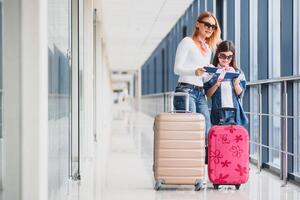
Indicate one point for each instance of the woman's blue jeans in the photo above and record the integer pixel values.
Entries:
(197, 102)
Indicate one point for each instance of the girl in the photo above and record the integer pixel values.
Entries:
(226, 93)
(193, 53)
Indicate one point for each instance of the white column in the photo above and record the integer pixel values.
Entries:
(26, 100)
(214, 7)
(34, 100)
(99, 60)
(296, 37)
(296, 62)
(75, 85)
(237, 25)
(12, 99)
(253, 70)
(274, 69)
(224, 19)
(88, 80)
(253, 39)
(274, 38)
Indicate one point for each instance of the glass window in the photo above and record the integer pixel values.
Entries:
(275, 123)
(296, 70)
(254, 122)
(219, 14)
(184, 31)
(155, 76)
(297, 132)
(143, 80)
(1, 88)
(164, 72)
(59, 94)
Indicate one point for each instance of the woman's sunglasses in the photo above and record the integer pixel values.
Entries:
(209, 25)
(223, 56)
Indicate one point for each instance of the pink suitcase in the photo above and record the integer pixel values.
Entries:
(228, 155)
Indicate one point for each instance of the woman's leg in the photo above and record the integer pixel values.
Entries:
(201, 107)
(179, 102)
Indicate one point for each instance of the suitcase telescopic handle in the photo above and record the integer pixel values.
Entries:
(222, 112)
(179, 94)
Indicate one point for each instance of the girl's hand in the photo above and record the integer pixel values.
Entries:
(236, 81)
(219, 81)
(199, 71)
(230, 69)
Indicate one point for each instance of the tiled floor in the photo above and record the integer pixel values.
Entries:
(123, 170)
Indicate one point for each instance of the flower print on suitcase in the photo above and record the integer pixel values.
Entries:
(228, 150)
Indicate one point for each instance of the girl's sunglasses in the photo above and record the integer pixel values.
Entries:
(209, 25)
(223, 56)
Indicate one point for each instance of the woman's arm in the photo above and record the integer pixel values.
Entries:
(181, 54)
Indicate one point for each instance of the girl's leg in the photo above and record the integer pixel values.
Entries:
(229, 117)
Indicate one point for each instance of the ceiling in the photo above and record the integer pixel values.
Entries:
(134, 28)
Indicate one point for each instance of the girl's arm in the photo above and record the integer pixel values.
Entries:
(214, 88)
(237, 88)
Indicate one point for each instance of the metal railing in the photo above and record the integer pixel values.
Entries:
(283, 147)
(162, 98)
(1, 109)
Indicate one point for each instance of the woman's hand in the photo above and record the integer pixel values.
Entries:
(199, 71)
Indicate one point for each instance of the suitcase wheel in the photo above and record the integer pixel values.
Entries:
(158, 184)
(198, 186)
(216, 187)
(237, 187)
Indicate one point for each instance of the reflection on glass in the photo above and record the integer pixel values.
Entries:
(275, 128)
(58, 96)
(254, 122)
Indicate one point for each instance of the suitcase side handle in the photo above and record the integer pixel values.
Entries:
(179, 94)
(222, 110)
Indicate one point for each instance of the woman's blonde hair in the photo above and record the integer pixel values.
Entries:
(215, 38)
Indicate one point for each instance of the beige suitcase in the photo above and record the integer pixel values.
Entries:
(179, 148)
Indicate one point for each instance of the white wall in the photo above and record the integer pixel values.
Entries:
(88, 76)
(103, 84)
(25, 99)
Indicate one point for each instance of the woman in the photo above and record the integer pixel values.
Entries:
(193, 53)
(226, 93)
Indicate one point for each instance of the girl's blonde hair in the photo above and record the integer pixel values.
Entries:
(215, 38)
